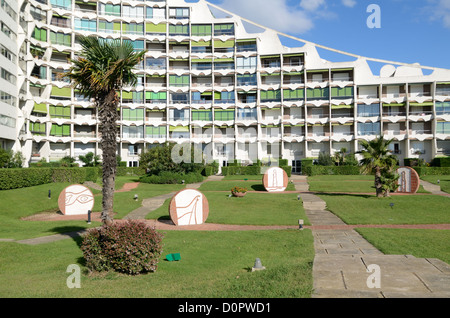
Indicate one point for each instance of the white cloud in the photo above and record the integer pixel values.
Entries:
(349, 3)
(273, 14)
(441, 11)
(311, 5)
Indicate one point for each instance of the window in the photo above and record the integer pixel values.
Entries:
(344, 92)
(368, 110)
(133, 132)
(178, 114)
(38, 14)
(59, 111)
(204, 115)
(86, 25)
(39, 34)
(8, 54)
(8, 99)
(60, 38)
(133, 28)
(224, 29)
(179, 13)
(63, 22)
(318, 93)
(365, 129)
(442, 108)
(109, 9)
(247, 114)
(443, 127)
(155, 13)
(178, 30)
(155, 64)
(246, 46)
(108, 27)
(297, 94)
(132, 97)
(7, 121)
(224, 114)
(224, 97)
(132, 12)
(37, 128)
(271, 96)
(7, 8)
(246, 62)
(7, 76)
(155, 98)
(247, 80)
(201, 29)
(60, 130)
(138, 45)
(65, 4)
(155, 132)
(179, 81)
(133, 114)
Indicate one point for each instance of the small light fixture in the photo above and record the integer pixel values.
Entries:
(300, 224)
(439, 181)
(89, 217)
(136, 197)
(182, 181)
(392, 205)
(49, 194)
(298, 198)
(258, 266)
(229, 196)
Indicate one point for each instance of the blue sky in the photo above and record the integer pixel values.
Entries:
(412, 31)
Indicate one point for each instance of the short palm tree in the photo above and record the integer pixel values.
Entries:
(101, 70)
(378, 159)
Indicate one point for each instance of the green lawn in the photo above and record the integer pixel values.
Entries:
(420, 243)
(444, 181)
(407, 209)
(253, 209)
(226, 185)
(212, 265)
(19, 203)
(349, 184)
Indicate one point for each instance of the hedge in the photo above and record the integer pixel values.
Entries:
(331, 170)
(433, 171)
(167, 177)
(249, 170)
(441, 162)
(21, 178)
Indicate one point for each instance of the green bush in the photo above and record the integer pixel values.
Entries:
(248, 170)
(330, 170)
(441, 162)
(433, 171)
(24, 177)
(167, 177)
(92, 174)
(130, 247)
(71, 175)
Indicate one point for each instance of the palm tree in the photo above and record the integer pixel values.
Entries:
(377, 159)
(101, 70)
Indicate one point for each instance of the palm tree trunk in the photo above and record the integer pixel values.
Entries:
(108, 126)
(378, 184)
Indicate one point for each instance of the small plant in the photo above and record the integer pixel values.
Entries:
(238, 190)
(130, 247)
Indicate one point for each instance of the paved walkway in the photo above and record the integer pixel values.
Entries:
(344, 259)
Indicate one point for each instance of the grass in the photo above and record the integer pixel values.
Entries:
(350, 184)
(420, 243)
(18, 203)
(407, 209)
(253, 209)
(226, 185)
(212, 265)
(444, 181)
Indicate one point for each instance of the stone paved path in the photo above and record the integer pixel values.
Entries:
(343, 260)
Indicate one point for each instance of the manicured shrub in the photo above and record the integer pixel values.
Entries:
(167, 177)
(330, 170)
(71, 175)
(433, 171)
(130, 247)
(21, 177)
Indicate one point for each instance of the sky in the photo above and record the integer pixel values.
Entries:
(409, 31)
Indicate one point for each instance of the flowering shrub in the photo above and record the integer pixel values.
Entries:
(238, 190)
(130, 247)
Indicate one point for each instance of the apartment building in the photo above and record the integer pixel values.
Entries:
(208, 81)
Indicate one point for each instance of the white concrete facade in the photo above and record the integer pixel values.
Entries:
(206, 80)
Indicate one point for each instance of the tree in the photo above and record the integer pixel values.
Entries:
(102, 69)
(377, 159)
(90, 160)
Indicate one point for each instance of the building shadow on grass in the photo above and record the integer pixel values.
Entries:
(343, 194)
